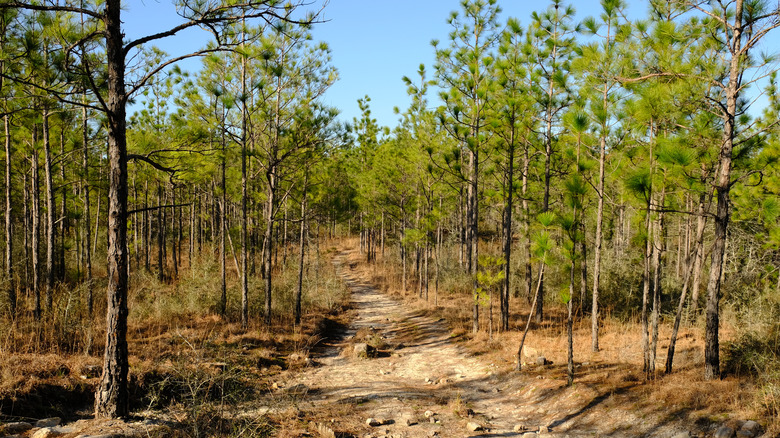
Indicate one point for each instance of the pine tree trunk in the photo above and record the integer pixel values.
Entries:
(160, 235)
(519, 363)
(527, 228)
(9, 229)
(191, 242)
(97, 218)
(546, 197)
(722, 185)
(136, 228)
(473, 231)
(27, 233)
(402, 245)
(147, 229)
(50, 207)
(244, 198)
(690, 263)
(222, 211)
(302, 247)
(112, 398)
(382, 252)
(174, 234)
(583, 267)
(659, 248)
(64, 222)
(508, 209)
(594, 325)
(646, 288)
(570, 309)
(36, 221)
(270, 205)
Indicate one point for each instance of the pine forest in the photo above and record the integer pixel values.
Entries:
(572, 230)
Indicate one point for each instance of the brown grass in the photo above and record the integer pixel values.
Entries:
(184, 359)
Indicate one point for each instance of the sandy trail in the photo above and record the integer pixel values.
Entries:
(427, 371)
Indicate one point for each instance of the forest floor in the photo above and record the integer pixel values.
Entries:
(423, 375)
(423, 381)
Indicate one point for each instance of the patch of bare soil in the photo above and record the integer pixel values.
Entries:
(415, 380)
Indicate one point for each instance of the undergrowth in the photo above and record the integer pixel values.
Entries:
(193, 365)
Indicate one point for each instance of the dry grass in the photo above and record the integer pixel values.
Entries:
(184, 359)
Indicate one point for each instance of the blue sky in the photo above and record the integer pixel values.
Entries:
(374, 43)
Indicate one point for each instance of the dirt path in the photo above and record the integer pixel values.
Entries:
(424, 372)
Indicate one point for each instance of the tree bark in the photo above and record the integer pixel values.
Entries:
(473, 229)
(112, 399)
(722, 185)
(9, 244)
(222, 211)
(659, 249)
(594, 322)
(174, 234)
(269, 228)
(64, 222)
(508, 208)
(86, 215)
(570, 308)
(160, 235)
(646, 287)
(527, 227)
(35, 230)
(9, 228)
(302, 247)
(244, 197)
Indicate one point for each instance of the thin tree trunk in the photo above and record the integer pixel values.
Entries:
(97, 221)
(160, 235)
(27, 233)
(527, 227)
(646, 288)
(508, 209)
(383, 236)
(583, 268)
(36, 216)
(9, 265)
(244, 197)
(519, 363)
(64, 222)
(174, 234)
(547, 181)
(473, 233)
(136, 229)
(191, 243)
(658, 254)
(50, 207)
(147, 228)
(269, 250)
(438, 258)
(222, 231)
(570, 308)
(690, 267)
(697, 268)
(302, 244)
(9, 228)
(594, 322)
